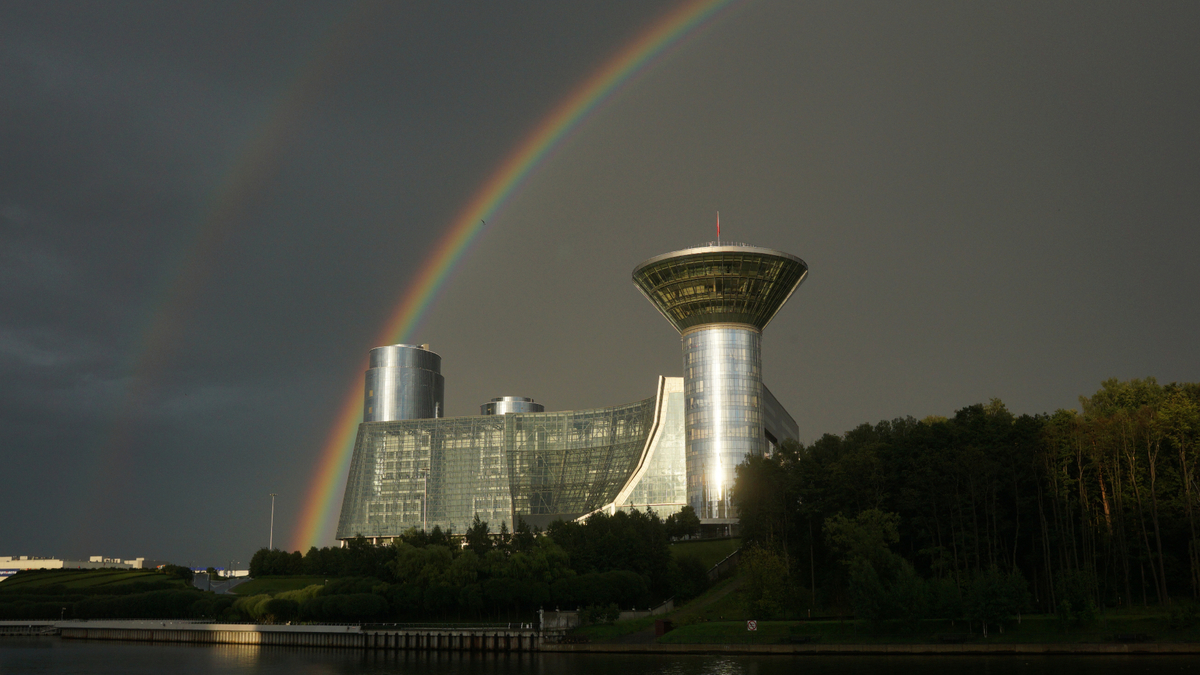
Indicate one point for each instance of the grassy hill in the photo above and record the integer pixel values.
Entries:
(105, 594)
(709, 551)
(274, 585)
(88, 582)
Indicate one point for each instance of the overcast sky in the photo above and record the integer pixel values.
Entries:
(209, 210)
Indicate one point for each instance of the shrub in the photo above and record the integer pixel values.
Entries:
(1076, 597)
(352, 607)
(1184, 614)
(602, 613)
(280, 609)
(689, 578)
(766, 590)
(252, 607)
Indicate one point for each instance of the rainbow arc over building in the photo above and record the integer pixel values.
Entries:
(316, 523)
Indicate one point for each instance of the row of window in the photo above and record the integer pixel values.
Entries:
(728, 399)
(730, 431)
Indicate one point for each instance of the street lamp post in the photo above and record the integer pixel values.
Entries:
(271, 540)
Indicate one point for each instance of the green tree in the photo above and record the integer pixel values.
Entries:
(478, 538)
(993, 597)
(684, 523)
(867, 536)
(523, 538)
(766, 585)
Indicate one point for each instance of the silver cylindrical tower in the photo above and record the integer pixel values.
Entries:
(720, 298)
(404, 382)
(510, 404)
(722, 389)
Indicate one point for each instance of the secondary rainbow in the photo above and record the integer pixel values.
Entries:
(169, 304)
(316, 520)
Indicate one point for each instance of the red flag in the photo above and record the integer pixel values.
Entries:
(718, 227)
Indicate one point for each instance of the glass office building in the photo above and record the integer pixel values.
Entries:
(539, 467)
(720, 298)
(412, 468)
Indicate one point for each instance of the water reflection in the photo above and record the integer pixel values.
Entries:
(60, 657)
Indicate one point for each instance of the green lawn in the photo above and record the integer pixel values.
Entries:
(718, 616)
(607, 632)
(82, 579)
(729, 633)
(273, 585)
(1031, 629)
(699, 609)
(710, 552)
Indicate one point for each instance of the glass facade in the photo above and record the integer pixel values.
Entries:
(563, 465)
(722, 382)
(720, 284)
(458, 462)
(661, 484)
(778, 424)
(538, 466)
(678, 448)
(720, 298)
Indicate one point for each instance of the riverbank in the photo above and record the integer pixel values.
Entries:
(349, 636)
(998, 649)
(492, 640)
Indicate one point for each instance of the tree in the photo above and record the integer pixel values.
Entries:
(993, 597)
(523, 538)
(689, 578)
(178, 572)
(477, 537)
(278, 609)
(683, 524)
(867, 536)
(766, 588)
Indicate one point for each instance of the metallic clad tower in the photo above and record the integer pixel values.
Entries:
(720, 297)
(404, 382)
(503, 405)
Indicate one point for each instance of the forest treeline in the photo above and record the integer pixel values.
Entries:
(985, 513)
(609, 563)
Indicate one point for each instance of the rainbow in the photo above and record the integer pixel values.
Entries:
(316, 520)
(168, 304)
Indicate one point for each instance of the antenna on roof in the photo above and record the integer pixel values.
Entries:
(718, 228)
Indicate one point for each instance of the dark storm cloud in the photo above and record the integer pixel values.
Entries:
(996, 200)
(120, 127)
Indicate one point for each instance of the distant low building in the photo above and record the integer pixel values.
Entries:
(10, 565)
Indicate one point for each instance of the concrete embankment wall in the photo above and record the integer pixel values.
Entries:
(454, 640)
(237, 634)
(23, 628)
(423, 639)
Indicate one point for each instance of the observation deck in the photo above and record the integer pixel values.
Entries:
(720, 284)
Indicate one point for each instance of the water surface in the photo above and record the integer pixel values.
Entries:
(53, 656)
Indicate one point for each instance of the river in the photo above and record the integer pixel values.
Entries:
(54, 656)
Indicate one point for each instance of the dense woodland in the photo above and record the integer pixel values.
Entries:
(606, 564)
(986, 513)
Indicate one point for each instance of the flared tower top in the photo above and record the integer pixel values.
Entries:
(720, 284)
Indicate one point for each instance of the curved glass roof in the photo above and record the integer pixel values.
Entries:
(720, 284)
